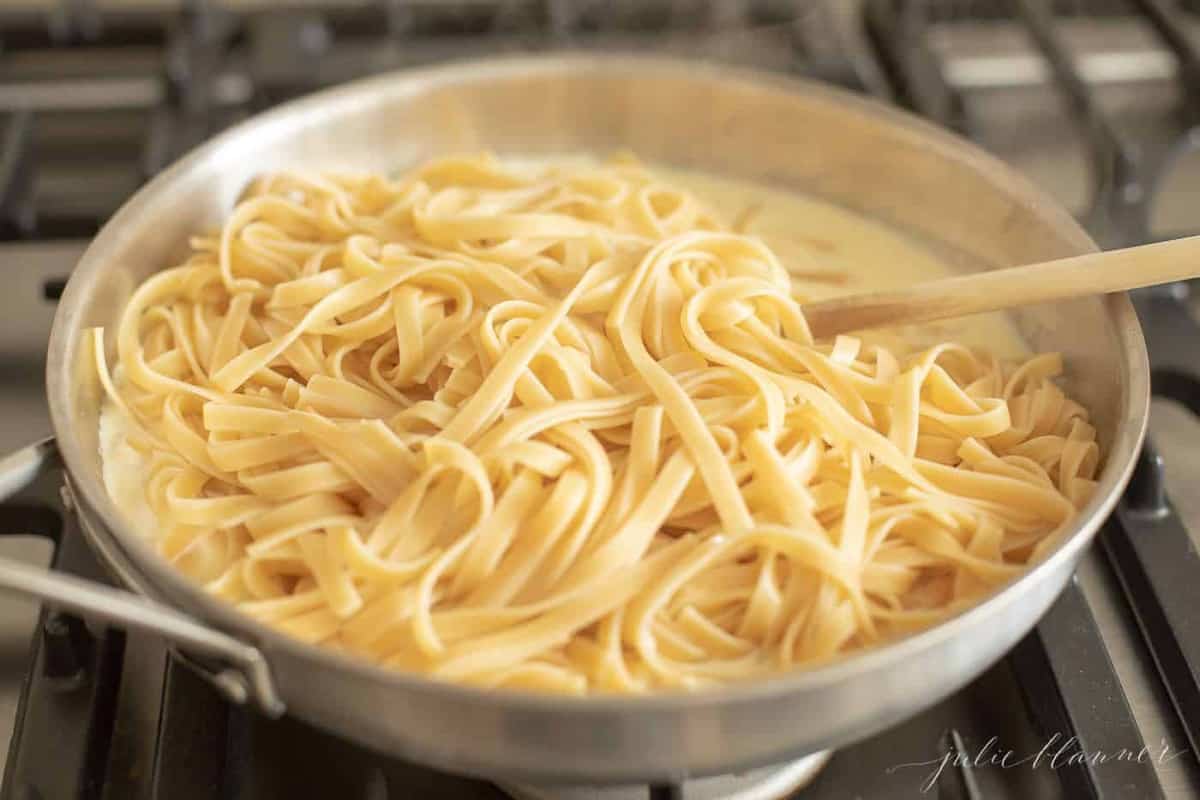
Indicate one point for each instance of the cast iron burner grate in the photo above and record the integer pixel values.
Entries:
(1126, 173)
(94, 100)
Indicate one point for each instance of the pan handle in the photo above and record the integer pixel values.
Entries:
(243, 673)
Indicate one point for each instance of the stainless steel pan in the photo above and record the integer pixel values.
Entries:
(790, 133)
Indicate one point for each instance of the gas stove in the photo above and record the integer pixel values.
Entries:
(1097, 100)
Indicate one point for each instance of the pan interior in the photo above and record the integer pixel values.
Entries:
(966, 207)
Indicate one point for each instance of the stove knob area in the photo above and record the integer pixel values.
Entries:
(67, 649)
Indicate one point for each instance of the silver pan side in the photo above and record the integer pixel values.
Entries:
(788, 133)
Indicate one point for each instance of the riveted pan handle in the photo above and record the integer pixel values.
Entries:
(243, 673)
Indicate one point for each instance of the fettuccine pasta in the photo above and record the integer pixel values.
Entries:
(564, 430)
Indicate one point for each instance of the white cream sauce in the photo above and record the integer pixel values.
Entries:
(833, 251)
(124, 468)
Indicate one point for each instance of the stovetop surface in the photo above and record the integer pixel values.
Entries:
(1095, 99)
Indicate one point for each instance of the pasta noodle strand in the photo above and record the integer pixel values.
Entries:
(560, 429)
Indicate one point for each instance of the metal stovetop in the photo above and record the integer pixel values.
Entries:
(1094, 101)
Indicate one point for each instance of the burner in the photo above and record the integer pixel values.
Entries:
(769, 783)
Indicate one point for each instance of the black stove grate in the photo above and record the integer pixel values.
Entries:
(117, 94)
(1126, 173)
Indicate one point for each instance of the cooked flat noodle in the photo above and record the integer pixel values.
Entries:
(562, 430)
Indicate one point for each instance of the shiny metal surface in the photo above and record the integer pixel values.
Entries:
(1135, 667)
(803, 136)
(133, 612)
(776, 782)
(241, 673)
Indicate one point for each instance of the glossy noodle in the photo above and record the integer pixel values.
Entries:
(561, 429)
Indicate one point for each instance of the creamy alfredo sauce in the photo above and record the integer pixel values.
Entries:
(832, 251)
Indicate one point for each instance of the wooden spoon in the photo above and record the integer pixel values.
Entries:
(1094, 273)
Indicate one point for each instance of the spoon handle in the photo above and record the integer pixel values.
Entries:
(1093, 273)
